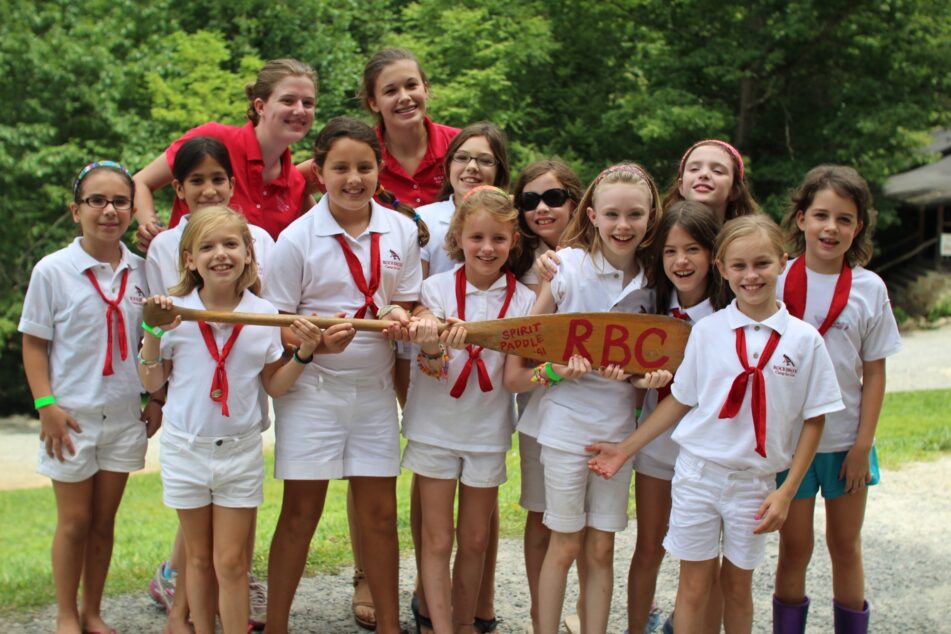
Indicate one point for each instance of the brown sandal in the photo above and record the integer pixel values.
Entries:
(360, 579)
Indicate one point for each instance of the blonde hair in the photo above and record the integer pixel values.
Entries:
(498, 205)
(746, 226)
(270, 75)
(582, 233)
(200, 224)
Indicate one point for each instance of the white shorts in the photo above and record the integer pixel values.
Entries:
(472, 468)
(112, 439)
(575, 497)
(650, 466)
(330, 428)
(533, 474)
(225, 471)
(708, 500)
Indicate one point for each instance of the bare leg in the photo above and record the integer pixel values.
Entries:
(535, 545)
(196, 525)
(485, 608)
(844, 518)
(737, 585)
(796, 539)
(696, 579)
(652, 496)
(375, 503)
(301, 508)
(563, 550)
(74, 504)
(436, 498)
(230, 527)
(108, 487)
(598, 580)
(477, 508)
(416, 527)
(177, 621)
(362, 601)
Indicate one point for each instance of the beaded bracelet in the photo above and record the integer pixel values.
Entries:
(147, 362)
(545, 375)
(422, 360)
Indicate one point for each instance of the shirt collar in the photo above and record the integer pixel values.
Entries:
(326, 225)
(777, 321)
(498, 284)
(696, 312)
(83, 261)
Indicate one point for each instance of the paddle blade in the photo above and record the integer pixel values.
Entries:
(639, 343)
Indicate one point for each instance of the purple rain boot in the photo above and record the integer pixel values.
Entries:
(790, 618)
(850, 621)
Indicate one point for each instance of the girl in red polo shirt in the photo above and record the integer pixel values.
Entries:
(395, 88)
(269, 191)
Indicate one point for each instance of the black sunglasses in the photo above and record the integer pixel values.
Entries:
(528, 201)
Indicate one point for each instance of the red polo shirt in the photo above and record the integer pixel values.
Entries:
(422, 187)
(271, 206)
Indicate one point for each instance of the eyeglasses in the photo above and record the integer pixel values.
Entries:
(484, 160)
(528, 201)
(96, 201)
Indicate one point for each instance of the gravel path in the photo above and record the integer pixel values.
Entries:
(907, 540)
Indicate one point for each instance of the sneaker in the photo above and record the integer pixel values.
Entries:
(653, 620)
(162, 587)
(257, 616)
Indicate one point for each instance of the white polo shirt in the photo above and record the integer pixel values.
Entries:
(189, 408)
(865, 330)
(477, 420)
(309, 274)
(800, 384)
(574, 414)
(161, 260)
(437, 217)
(663, 448)
(63, 307)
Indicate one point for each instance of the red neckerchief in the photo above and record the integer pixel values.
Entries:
(485, 383)
(112, 308)
(794, 293)
(219, 384)
(738, 390)
(356, 271)
(664, 392)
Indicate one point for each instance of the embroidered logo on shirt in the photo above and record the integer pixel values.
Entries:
(838, 324)
(394, 263)
(139, 298)
(786, 368)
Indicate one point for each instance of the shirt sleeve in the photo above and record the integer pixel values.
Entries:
(38, 310)
(822, 391)
(881, 338)
(285, 277)
(431, 298)
(685, 387)
(411, 275)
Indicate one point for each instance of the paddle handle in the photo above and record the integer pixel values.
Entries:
(155, 314)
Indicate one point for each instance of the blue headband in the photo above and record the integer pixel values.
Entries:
(96, 165)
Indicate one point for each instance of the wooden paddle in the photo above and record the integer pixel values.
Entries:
(640, 343)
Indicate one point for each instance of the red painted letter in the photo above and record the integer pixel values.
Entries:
(639, 348)
(615, 336)
(578, 332)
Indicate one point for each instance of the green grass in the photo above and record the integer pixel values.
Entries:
(913, 426)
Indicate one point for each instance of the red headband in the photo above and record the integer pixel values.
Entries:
(732, 151)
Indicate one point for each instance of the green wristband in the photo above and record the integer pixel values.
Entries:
(637, 412)
(155, 330)
(554, 376)
(44, 401)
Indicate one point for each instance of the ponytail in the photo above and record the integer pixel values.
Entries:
(389, 199)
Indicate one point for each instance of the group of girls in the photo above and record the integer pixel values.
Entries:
(712, 480)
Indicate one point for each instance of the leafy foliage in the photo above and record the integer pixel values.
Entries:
(791, 84)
